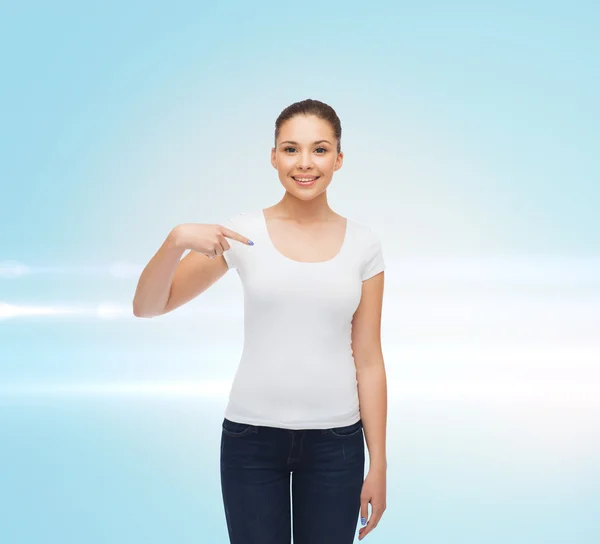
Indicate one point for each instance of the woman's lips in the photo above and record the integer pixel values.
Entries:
(305, 183)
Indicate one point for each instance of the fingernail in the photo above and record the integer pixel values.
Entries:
(363, 521)
(250, 243)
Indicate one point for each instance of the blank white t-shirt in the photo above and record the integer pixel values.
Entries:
(297, 369)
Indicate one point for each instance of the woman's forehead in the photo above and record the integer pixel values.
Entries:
(306, 126)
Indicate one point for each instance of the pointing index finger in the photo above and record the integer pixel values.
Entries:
(228, 233)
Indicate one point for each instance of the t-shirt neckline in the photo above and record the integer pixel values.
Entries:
(272, 245)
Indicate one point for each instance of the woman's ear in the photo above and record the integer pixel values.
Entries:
(274, 158)
(339, 160)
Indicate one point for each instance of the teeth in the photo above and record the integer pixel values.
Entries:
(304, 179)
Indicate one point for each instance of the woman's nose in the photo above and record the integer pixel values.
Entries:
(305, 160)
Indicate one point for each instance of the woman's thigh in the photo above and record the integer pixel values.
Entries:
(326, 486)
(255, 483)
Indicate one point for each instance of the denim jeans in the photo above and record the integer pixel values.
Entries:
(325, 468)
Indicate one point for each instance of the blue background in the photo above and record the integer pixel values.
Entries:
(470, 134)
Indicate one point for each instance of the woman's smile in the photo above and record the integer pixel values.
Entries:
(305, 181)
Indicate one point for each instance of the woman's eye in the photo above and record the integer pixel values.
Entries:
(293, 148)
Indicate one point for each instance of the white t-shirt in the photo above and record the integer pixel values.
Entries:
(297, 369)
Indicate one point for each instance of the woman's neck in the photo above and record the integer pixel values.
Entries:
(303, 211)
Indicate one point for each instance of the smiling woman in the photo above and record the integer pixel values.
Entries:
(311, 376)
(312, 368)
(310, 148)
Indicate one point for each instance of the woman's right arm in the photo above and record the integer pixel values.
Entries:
(168, 281)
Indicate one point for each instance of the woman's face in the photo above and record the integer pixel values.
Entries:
(306, 148)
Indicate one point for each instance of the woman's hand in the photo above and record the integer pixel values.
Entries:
(374, 492)
(211, 240)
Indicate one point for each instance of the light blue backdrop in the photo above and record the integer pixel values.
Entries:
(470, 133)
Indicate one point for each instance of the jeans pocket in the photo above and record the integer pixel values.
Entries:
(348, 431)
(235, 429)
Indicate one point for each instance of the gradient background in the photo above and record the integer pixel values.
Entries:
(470, 133)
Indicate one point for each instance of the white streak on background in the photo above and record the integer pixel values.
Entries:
(14, 270)
(541, 269)
(16, 310)
(110, 310)
(426, 309)
(397, 389)
(102, 311)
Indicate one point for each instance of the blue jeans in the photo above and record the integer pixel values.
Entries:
(326, 471)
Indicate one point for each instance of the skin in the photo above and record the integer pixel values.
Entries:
(308, 205)
(305, 204)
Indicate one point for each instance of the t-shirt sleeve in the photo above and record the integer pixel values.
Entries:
(231, 255)
(373, 261)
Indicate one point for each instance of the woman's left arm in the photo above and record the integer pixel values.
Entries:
(372, 393)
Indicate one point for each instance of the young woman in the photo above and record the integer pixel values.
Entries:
(311, 383)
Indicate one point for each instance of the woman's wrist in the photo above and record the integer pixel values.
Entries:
(378, 465)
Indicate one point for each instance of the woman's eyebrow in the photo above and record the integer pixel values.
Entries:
(296, 143)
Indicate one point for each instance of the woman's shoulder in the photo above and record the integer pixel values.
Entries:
(246, 222)
(243, 217)
(363, 231)
(369, 247)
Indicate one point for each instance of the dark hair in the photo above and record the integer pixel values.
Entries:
(311, 107)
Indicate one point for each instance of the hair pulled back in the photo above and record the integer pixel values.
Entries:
(311, 107)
